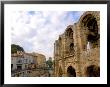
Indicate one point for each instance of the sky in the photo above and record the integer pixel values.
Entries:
(36, 31)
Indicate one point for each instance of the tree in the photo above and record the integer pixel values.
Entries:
(49, 62)
(15, 48)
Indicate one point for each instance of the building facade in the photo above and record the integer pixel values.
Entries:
(40, 60)
(17, 62)
(22, 61)
(77, 51)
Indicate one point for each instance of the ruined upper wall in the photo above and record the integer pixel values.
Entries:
(78, 35)
(95, 14)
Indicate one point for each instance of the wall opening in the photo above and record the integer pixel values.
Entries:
(69, 33)
(72, 48)
(93, 35)
(11, 66)
(71, 72)
(19, 67)
(92, 31)
(93, 71)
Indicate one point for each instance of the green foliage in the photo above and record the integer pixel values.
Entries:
(49, 63)
(15, 48)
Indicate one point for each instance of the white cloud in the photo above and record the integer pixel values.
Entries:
(37, 31)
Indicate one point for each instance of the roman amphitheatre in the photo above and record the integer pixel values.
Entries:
(76, 53)
(77, 50)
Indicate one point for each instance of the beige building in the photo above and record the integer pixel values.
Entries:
(17, 62)
(77, 51)
(40, 60)
(22, 61)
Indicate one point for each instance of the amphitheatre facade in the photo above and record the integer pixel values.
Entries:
(77, 51)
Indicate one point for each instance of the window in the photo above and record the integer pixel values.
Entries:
(19, 61)
(70, 33)
(71, 47)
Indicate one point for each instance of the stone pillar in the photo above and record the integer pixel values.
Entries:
(78, 47)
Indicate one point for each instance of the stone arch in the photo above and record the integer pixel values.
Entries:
(60, 42)
(89, 24)
(60, 39)
(71, 72)
(69, 33)
(92, 71)
(60, 46)
(88, 14)
(60, 72)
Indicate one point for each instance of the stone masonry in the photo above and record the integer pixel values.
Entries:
(77, 51)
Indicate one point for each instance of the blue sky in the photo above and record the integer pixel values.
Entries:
(36, 31)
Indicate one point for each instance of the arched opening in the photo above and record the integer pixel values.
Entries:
(92, 31)
(69, 41)
(71, 72)
(69, 33)
(93, 35)
(59, 38)
(93, 71)
(60, 73)
(72, 48)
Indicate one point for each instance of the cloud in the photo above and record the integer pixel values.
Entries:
(36, 31)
